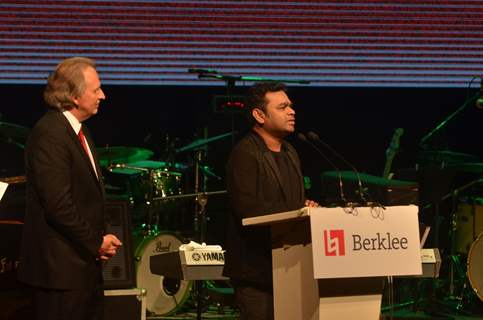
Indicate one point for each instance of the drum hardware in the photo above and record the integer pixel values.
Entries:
(201, 200)
(190, 195)
(200, 225)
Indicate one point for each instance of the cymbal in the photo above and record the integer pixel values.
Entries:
(121, 154)
(367, 178)
(468, 167)
(201, 142)
(446, 156)
(13, 131)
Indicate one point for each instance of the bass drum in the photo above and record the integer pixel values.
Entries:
(475, 266)
(164, 296)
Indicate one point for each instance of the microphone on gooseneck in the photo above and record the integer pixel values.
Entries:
(315, 137)
(303, 138)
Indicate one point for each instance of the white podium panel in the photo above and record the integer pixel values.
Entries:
(365, 242)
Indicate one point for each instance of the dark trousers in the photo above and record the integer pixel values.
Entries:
(69, 304)
(255, 303)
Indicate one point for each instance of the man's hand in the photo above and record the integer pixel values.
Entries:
(311, 203)
(109, 247)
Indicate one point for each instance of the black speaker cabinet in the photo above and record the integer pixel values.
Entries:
(118, 271)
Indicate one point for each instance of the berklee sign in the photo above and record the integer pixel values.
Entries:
(365, 242)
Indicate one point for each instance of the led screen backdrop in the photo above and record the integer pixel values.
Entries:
(398, 43)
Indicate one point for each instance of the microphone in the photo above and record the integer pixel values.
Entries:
(303, 138)
(195, 70)
(315, 137)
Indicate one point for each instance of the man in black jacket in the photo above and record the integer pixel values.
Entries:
(263, 177)
(64, 238)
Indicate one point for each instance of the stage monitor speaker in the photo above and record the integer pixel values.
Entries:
(118, 272)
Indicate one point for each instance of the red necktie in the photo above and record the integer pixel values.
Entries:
(82, 139)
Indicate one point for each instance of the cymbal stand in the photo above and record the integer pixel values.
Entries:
(151, 225)
(201, 201)
(199, 225)
(454, 258)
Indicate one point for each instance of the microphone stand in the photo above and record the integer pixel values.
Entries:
(424, 140)
(230, 81)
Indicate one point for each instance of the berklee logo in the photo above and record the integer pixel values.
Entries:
(334, 242)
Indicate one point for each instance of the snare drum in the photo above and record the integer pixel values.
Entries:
(164, 296)
(469, 224)
(475, 266)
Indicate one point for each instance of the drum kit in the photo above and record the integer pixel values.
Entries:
(163, 214)
(465, 218)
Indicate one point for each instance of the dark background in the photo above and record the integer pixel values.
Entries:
(357, 122)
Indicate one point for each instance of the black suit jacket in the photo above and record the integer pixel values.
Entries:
(255, 188)
(64, 221)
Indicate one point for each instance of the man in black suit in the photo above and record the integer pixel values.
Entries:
(263, 176)
(64, 239)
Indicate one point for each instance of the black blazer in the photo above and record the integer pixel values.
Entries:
(255, 188)
(64, 221)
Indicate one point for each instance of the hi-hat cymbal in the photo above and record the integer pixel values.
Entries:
(120, 154)
(446, 156)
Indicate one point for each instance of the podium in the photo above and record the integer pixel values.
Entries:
(297, 294)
